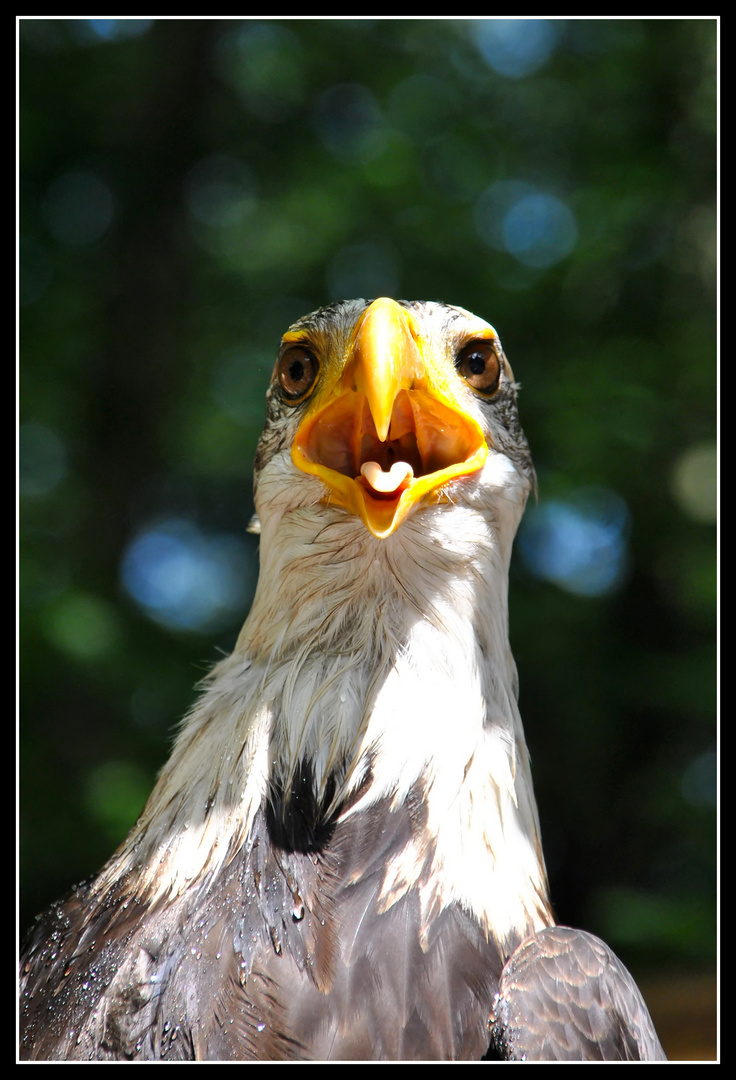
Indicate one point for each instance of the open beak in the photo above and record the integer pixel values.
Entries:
(391, 430)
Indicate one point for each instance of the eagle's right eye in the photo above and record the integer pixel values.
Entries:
(479, 365)
(296, 370)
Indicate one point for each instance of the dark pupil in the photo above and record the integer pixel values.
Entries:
(476, 364)
(296, 371)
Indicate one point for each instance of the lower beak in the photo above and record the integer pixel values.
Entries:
(391, 432)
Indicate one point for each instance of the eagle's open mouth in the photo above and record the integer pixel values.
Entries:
(392, 431)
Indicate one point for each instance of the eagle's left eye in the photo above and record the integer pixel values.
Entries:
(296, 370)
(478, 363)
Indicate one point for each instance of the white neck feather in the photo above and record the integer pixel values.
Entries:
(389, 655)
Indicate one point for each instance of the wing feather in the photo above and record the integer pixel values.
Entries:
(565, 996)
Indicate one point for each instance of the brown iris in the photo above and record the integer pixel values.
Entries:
(479, 365)
(296, 370)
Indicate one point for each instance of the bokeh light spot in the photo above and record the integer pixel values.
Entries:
(580, 544)
(515, 47)
(185, 580)
(219, 191)
(699, 783)
(263, 63)
(82, 626)
(349, 122)
(694, 482)
(42, 458)
(79, 208)
(115, 793)
(537, 228)
(114, 29)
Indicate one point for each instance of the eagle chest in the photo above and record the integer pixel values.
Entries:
(315, 962)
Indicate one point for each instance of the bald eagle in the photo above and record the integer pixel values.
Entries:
(342, 858)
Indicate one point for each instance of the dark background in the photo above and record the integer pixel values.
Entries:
(188, 188)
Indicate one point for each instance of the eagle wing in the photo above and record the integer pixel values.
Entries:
(565, 996)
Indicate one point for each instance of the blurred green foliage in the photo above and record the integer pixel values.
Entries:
(188, 188)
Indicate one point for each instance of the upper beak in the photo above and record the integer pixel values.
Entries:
(391, 429)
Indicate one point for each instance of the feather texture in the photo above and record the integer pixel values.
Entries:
(564, 996)
(343, 850)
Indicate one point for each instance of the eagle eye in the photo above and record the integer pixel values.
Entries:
(479, 365)
(296, 370)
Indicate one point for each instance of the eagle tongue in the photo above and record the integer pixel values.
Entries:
(386, 483)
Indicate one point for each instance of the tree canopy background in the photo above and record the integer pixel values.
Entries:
(191, 186)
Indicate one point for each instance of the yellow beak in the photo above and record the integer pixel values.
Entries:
(390, 431)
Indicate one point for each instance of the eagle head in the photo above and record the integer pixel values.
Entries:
(390, 408)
